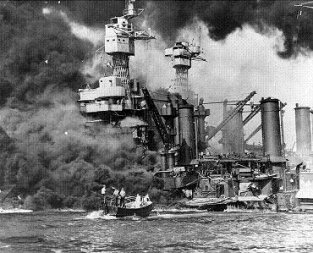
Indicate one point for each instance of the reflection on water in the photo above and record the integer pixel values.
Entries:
(206, 232)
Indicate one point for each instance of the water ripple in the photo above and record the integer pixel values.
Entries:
(206, 233)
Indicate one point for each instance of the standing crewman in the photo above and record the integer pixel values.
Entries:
(106, 208)
(122, 195)
(116, 196)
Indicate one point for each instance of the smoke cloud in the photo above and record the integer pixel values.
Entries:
(97, 63)
(224, 17)
(93, 35)
(39, 56)
(52, 154)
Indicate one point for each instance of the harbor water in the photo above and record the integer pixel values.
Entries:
(201, 232)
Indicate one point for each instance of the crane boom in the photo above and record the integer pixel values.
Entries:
(252, 114)
(239, 106)
(157, 118)
(253, 133)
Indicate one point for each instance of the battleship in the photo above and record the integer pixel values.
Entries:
(241, 176)
(175, 117)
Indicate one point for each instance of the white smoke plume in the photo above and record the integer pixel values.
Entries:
(92, 34)
(247, 61)
(97, 66)
(150, 64)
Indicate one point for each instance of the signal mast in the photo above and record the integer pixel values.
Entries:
(301, 6)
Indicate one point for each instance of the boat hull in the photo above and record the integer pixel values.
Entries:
(203, 203)
(218, 207)
(141, 212)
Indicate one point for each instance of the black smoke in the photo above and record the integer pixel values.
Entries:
(52, 157)
(223, 17)
(39, 56)
(91, 12)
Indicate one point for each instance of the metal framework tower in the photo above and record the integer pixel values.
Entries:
(120, 39)
(182, 53)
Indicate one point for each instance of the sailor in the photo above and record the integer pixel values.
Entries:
(188, 193)
(116, 196)
(137, 201)
(146, 199)
(122, 195)
(254, 189)
(103, 191)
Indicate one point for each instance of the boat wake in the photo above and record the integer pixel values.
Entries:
(182, 215)
(176, 210)
(14, 210)
(99, 215)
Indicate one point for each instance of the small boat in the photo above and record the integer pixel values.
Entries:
(201, 203)
(132, 207)
(222, 206)
(143, 211)
(216, 207)
(239, 203)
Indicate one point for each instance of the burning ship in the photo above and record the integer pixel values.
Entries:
(117, 96)
(215, 182)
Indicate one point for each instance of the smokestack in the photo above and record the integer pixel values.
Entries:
(201, 121)
(163, 157)
(235, 134)
(176, 124)
(271, 127)
(201, 113)
(303, 130)
(233, 138)
(171, 159)
(187, 133)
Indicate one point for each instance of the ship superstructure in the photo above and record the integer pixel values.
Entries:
(118, 95)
